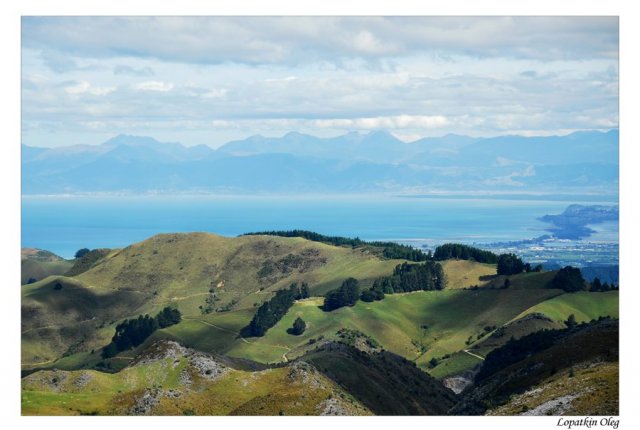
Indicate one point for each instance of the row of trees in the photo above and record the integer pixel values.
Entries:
(464, 252)
(412, 277)
(270, 312)
(406, 277)
(390, 250)
(131, 333)
(570, 279)
(598, 286)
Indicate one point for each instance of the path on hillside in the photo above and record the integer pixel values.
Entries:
(473, 355)
(284, 356)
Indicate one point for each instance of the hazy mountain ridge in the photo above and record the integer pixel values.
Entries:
(374, 162)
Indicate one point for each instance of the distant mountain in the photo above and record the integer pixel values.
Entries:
(354, 162)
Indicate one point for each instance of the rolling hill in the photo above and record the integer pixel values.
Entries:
(37, 264)
(217, 283)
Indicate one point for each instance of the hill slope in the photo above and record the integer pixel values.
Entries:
(37, 264)
(168, 379)
(199, 273)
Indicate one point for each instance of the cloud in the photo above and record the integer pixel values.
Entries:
(237, 76)
(83, 87)
(153, 86)
(296, 40)
(389, 122)
(121, 69)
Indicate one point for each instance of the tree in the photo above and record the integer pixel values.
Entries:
(298, 327)
(571, 321)
(347, 295)
(82, 252)
(509, 264)
(168, 317)
(596, 285)
(368, 296)
(568, 279)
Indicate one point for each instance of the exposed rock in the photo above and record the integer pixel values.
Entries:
(553, 407)
(83, 379)
(146, 402)
(333, 406)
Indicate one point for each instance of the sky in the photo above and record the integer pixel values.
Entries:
(209, 80)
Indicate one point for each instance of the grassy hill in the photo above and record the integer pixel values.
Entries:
(575, 372)
(168, 379)
(196, 272)
(217, 283)
(38, 264)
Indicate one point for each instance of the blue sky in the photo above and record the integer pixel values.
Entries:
(211, 80)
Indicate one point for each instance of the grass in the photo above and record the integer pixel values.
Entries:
(596, 387)
(268, 392)
(465, 273)
(584, 305)
(398, 322)
(178, 270)
(454, 365)
(41, 269)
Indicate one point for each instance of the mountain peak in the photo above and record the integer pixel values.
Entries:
(131, 140)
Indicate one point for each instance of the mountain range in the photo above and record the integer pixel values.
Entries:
(581, 162)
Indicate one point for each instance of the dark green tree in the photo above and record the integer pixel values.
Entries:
(568, 279)
(298, 327)
(347, 295)
(509, 264)
(571, 321)
(596, 285)
(168, 317)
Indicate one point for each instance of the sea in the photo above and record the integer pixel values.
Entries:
(64, 224)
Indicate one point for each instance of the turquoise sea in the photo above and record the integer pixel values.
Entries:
(66, 224)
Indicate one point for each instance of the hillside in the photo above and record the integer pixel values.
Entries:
(561, 372)
(437, 338)
(37, 264)
(200, 273)
(168, 379)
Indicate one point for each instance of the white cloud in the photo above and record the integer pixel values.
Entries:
(83, 87)
(413, 76)
(153, 86)
(385, 122)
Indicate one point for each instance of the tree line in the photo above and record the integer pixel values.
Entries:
(271, 311)
(570, 279)
(390, 250)
(458, 251)
(406, 277)
(132, 332)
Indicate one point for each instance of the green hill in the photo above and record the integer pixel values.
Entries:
(37, 264)
(563, 372)
(168, 379)
(198, 272)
